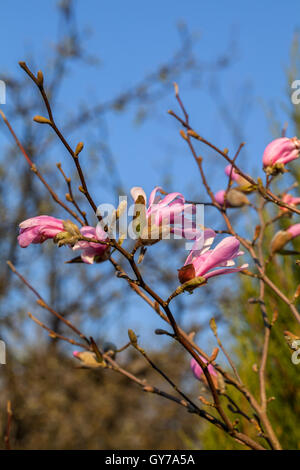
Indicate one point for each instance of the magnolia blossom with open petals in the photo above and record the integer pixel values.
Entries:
(281, 151)
(208, 263)
(38, 229)
(92, 251)
(44, 227)
(161, 213)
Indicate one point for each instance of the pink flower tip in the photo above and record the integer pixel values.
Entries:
(230, 172)
(197, 369)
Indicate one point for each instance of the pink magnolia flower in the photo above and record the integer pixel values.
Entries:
(281, 151)
(197, 369)
(282, 237)
(291, 200)
(160, 214)
(92, 251)
(209, 263)
(38, 229)
(294, 231)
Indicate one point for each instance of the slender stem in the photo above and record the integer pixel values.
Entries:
(72, 198)
(60, 136)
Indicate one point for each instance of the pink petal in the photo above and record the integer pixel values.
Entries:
(42, 220)
(294, 230)
(197, 369)
(218, 272)
(226, 250)
(220, 197)
(234, 175)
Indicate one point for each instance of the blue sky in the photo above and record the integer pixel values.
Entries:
(131, 39)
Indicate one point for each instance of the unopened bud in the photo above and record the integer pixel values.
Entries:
(256, 233)
(279, 240)
(183, 134)
(214, 354)
(192, 133)
(88, 359)
(40, 78)
(236, 198)
(79, 148)
(132, 336)
(41, 120)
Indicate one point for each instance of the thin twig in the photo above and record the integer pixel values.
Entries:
(44, 304)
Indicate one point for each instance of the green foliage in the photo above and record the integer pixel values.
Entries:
(246, 326)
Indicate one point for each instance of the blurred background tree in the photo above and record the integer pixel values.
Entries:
(39, 379)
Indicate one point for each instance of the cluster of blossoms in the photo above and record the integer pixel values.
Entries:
(276, 155)
(167, 214)
(160, 216)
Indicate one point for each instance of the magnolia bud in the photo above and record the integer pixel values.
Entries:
(132, 336)
(40, 78)
(186, 273)
(279, 240)
(88, 359)
(79, 148)
(236, 198)
(41, 120)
